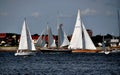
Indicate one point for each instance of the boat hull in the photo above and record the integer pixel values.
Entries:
(56, 50)
(116, 47)
(25, 53)
(85, 51)
(107, 52)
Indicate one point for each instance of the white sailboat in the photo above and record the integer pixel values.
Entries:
(104, 47)
(81, 41)
(62, 38)
(26, 46)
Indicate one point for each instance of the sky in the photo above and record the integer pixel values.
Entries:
(98, 15)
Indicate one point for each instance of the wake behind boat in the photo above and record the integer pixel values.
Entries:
(24, 53)
(26, 46)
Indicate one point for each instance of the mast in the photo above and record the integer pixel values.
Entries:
(58, 36)
(118, 24)
(103, 43)
(48, 30)
(58, 28)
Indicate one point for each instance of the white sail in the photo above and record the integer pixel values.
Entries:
(51, 40)
(41, 41)
(80, 38)
(65, 40)
(87, 42)
(25, 39)
(76, 40)
(62, 37)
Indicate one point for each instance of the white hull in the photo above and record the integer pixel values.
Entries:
(107, 52)
(24, 53)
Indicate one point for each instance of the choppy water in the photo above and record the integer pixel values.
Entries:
(60, 64)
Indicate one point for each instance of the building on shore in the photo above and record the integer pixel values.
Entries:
(12, 39)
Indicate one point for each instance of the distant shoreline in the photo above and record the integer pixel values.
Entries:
(14, 49)
(8, 49)
(11, 49)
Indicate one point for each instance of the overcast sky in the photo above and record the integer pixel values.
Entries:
(98, 15)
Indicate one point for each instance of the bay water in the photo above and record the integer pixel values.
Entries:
(60, 64)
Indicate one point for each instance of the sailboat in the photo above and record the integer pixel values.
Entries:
(104, 47)
(81, 41)
(26, 46)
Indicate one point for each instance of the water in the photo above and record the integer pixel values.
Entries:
(60, 64)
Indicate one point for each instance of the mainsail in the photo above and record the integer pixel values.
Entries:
(51, 40)
(25, 39)
(62, 37)
(76, 40)
(80, 38)
(41, 40)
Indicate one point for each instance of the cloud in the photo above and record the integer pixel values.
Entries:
(109, 13)
(113, 3)
(88, 11)
(65, 16)
(3, 13)
(35, 14)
